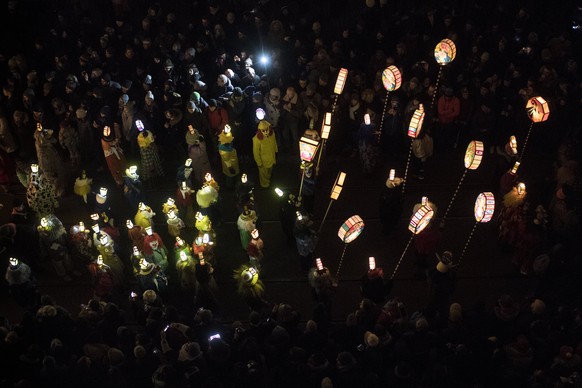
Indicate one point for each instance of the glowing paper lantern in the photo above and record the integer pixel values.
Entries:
(260, 114)
(341, 81)
(319, 264)
(34, 168)
(513, 144)
(420, 219)
(338, 185)
(521, 188)
(326, 126)
(391, 78)
(392, 175)
(279, 192)
(445, 52)
(139, 125)
(537, 109)
(351, 229)
(255, 234)
(307, 149)
(484, 207)
(474, 155)
(372, 263)
(416, 121)
(514, 168)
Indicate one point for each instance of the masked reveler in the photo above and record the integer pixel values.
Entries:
(106, 248)
(144, 215)
(132, 187)
(113, 155)
(228, 155)
(52, 237)
(197, 154)
(265, 152)
(154, 249)
(40, 193)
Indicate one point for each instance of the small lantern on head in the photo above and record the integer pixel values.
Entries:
(515, 167)
(81, 226)
(14, 262)
(149, 231)
(279, 192)
(100, 260)
(172, 215)
(392, 175)
(179, 241)
(129, 224)
(244, 178)
(188, 162)
(367, 119)
(44, 222)
(260, 114)
(96, 228)
(255, 234)
(183, 256)
(133, 171)
(34, 168)
(299, 216)
(521, 189)
(319, 264)
(136, 252)
(199, 216)
(371, 263)
(139, 125)
(103, 192)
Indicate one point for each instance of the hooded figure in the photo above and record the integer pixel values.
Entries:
(151, 165)
(228, 155)
(21, 284)
(198, 155)
(265, 152)
(52, 238)
(246, 223)
(132, 188)
(186, 268)
(391, 205)
(113, 155)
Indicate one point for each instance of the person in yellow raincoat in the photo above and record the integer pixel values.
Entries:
(265, 152)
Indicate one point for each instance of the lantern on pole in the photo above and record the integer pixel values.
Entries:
(420, 219)
(350, 230)
(325, 130)
(339, 87)
(538, 111)
(391, 80)
(513, 144)
(444, 53)
(414, 128)
(483, 213)
(334, 195)
(472, 160)
(307, 150)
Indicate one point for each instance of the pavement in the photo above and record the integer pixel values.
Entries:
(486, 272)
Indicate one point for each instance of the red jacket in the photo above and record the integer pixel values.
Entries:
(217, 119)
(448, 109)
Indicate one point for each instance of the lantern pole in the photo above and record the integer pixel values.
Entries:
(401, 257)
(467, 243)
(302, 179)
(436, 88)
(383, 115)
(334, 104)
(324, 216)
(339, 266)
(407, 165)
(525, 142)
(455, 194)
(319, 156)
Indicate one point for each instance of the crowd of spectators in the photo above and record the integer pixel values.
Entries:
(86, 64)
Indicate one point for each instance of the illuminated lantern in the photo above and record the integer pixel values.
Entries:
(100, 260)
(13, 262)
(96, 228)
(513, 144)
(416, 121)
(299, 215)
(260, 114)
(391, 78)
(514, 168)
(326, 126)
(244, 178)
(484, 207)
(341, 81)
(424, 201)
(420, 219)
(149, 230)
(307, 149)
(103, 192)
(537, 109)
(279, 192)
(338, 185)
(351, 229)
(208, 177)
(474, 155)
(255, 234)
(319, 264)
(372, 263)
(521, 189)
(139, 125)
(445, 52)
(34, 168)
(392, 175)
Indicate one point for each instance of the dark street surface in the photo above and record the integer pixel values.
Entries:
(484, 275)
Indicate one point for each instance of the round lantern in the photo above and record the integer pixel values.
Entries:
(484, 207)
(445, 52)
(416, 121)
(351, 229)
(537, 109)
(260, 114)
(474, 155)
(420, 219)
(391, 78)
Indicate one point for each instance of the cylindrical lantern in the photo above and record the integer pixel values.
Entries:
(341, 81)
(416, 121)
(351, 229)
(537, 109)
(260, 114)
(372, 263)
(319, 264)
(445, 52)
(521, 188)
(474, 155)
(484, 207)
(513, 144)
(514, 168)
(391, 78)
(392, 175)
(420, 219)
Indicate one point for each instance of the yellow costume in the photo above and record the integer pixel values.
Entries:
(265, 152)
(228, 155)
